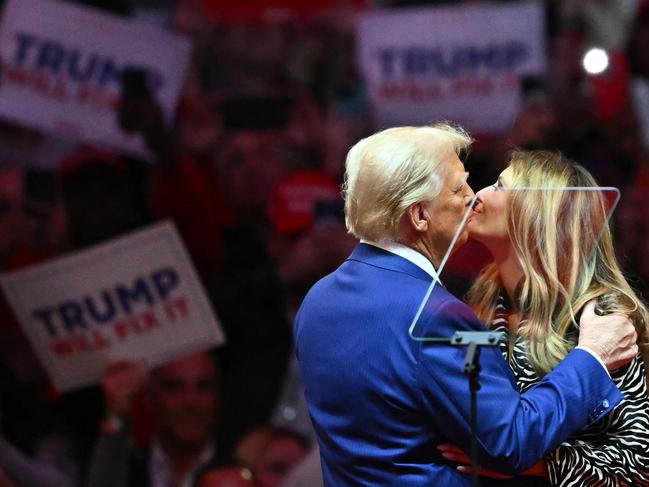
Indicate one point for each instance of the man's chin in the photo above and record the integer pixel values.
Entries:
(192, 438)
(193, 442)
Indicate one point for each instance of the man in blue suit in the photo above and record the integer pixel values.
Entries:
(380, 401)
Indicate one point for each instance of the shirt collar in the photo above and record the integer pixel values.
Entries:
(160, 465)
(409, 254)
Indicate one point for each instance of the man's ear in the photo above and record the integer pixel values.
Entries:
(418, 217)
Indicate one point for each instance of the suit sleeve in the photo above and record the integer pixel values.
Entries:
(514, 430)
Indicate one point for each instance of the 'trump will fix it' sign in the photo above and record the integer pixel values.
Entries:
(62, 66)
(463, 62)
(136, 297)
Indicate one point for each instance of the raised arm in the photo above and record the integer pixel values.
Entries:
(109, 461)
(516, 430)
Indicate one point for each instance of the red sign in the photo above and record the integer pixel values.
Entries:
(273, 9)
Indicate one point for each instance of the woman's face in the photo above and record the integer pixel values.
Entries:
(488, 223)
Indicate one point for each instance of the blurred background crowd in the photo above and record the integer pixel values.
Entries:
(250, 172)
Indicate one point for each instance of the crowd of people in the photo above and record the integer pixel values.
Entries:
(250, 172)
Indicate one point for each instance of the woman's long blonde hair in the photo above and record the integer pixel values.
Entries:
(564, 246)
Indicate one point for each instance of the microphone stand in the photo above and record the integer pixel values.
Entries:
(474, 341)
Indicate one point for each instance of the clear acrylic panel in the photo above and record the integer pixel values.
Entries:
(570, 221)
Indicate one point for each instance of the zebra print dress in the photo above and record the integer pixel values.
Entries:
(612, 452)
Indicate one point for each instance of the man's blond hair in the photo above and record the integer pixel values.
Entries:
(391, 170)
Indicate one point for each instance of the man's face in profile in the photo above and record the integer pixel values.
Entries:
(448, 209)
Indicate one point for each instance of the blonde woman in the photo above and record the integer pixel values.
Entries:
(552, 252)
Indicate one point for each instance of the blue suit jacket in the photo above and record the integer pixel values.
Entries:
(381, 402)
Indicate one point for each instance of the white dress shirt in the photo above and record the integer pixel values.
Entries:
(409, 254)
(160, 466)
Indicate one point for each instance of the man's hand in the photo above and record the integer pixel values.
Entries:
(611, 337)
(455, 454)
(120, 383)
(145, 117)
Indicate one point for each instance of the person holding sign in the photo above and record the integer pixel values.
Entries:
(184, 399)
(380, 401)
(536, 313)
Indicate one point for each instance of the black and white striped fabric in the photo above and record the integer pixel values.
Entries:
(612, 452)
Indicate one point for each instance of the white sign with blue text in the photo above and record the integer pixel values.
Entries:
(62, 67)
(134, 298)
(461, 63)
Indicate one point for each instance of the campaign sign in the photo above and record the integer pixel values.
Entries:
(136, 297)
(62, 66)
(461, 63)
